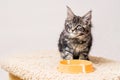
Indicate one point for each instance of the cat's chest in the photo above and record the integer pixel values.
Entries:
(77, 44)
(76, 41)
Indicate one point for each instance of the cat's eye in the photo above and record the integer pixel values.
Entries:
(80, 28)
(69, 26)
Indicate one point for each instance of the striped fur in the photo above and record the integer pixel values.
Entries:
(76, 39)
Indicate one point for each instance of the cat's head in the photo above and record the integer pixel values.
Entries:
(76, 25)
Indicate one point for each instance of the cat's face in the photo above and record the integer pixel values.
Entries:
(76, 25)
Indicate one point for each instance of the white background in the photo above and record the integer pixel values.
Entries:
(28, 25)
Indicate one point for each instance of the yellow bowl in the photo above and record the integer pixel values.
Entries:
(75, 66)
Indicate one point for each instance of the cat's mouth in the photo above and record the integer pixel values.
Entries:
(81, 34)
(74, 35)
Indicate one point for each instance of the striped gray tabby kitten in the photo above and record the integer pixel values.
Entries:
(75, 40)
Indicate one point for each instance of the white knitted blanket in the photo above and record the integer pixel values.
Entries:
(43, 66)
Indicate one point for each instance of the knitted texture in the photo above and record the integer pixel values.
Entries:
(43, 66)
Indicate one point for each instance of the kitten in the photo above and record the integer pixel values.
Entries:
(76, 39)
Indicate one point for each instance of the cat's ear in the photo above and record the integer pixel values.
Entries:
(87, 18)
(70, 14)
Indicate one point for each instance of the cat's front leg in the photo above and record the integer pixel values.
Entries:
(67, 53)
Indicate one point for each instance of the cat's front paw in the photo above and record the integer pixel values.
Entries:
(67, 56)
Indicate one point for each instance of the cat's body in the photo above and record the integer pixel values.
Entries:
(75, 40)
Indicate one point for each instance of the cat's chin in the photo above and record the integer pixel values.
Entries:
(72, 35)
